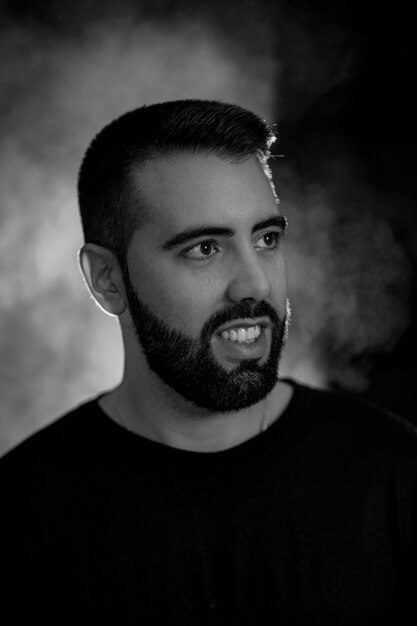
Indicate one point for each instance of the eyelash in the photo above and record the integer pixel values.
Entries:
(204, 258)
(186, 252)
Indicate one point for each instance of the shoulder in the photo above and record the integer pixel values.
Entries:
(350, 408)
(347, 422)
(58, 444)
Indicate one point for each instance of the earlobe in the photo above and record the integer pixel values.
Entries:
(103, 277)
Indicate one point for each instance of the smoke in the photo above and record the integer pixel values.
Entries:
(349, 283)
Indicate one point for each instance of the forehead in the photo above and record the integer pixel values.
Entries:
(186, 190)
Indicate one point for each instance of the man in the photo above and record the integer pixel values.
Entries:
(203, 489)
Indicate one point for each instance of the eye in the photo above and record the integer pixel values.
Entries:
(268, 241)
(201, 251)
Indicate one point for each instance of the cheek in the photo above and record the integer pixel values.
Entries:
(278, 282)
(183, 302)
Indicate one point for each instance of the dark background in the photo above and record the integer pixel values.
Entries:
(338, 80)
(361, 136)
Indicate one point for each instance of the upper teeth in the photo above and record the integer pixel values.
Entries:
(242, 334)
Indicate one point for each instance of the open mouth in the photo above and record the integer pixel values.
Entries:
(242, 334)
(243, 328)
(241, 340)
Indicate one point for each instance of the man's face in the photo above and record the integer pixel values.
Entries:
(206, 287)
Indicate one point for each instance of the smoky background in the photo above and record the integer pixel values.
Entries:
(336, 78)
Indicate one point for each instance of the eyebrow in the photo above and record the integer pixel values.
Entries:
(188, 234)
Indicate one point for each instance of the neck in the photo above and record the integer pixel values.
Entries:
(158, 414)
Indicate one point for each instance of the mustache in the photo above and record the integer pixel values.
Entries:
(238, 311)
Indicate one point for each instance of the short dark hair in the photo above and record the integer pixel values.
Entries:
(108, 199)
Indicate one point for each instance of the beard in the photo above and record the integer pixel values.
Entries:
(189, 365)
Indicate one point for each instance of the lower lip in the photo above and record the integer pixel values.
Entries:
(235, 351)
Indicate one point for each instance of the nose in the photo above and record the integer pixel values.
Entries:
(250, 280)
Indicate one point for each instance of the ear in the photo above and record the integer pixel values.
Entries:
(104, 278)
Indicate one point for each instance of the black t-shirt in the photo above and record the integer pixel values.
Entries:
(311, 522)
